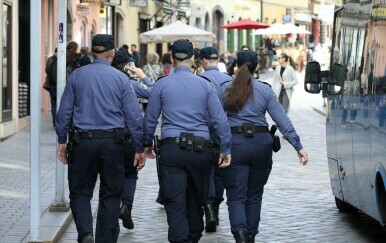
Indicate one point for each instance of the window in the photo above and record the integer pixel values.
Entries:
(7, 64)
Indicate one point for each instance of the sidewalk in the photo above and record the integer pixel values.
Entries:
(15, 186)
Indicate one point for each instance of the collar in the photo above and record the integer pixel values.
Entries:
(102, 61)
(212, 68)
(182, 69)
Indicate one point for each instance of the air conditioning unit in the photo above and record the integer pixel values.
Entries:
(232, 17)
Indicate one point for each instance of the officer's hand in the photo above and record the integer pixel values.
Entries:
(149, 153)
(139, 161)
(138, 72)
(224, 160)
(62, 153)
(303, 158)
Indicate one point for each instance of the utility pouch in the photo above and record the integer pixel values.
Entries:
(128, 143)
(75, 136)
(276, 146)
(198, 144)
(119, 135)
(248, 129)
(183, 140)
(189, 145)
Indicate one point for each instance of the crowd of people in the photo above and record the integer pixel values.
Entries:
(214, 134)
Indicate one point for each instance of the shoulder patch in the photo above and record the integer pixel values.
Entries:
(265, 83)
(207, 79)
(225, 82)
(160, 78)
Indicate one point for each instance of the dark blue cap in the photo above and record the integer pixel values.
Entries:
(209, 53)
(182, 49)
(247, 57)
(102, 40)
(120, 57)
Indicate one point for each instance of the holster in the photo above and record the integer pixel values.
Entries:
(215, 150)
(119, 135)
(128, 143)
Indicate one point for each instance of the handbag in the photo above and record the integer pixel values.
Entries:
(276, 146)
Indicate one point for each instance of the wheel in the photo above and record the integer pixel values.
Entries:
(382, 200)
(345, 207)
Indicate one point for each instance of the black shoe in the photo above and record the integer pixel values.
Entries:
(251, 239)
(210, 220)
(87, 238)
(241, 237)
(125, 215)
(216, 210)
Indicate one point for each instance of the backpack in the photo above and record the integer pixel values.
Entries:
(52, 73)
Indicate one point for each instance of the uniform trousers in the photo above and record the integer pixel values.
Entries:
(131, 177)
(184, 182)
(283, 99)
(216, 187)
(248, 173)
(89, 158)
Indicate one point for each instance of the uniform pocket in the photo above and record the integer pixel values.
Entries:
(228, 177)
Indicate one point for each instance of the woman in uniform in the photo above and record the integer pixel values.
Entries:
(246, 101)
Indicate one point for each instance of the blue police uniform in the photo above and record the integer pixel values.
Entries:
(185, 100)
(216, 187)
(131, 174)
(252, 156)
(99, 102)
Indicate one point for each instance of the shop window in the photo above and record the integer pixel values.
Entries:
(7, 64)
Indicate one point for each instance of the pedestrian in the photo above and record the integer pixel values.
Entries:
(284, 80)
(72, 58)
(98, 102)
(153, 70)
(209, 60)
(186, 102)
(135, 55)
(50, 83)
(120, 62)
(269, 45)
(197, 66)
(166, 63)
(246, 101)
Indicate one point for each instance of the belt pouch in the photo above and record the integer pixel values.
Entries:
(189, 145)
(248, 129)
(198, 144)
(119, 135)
(76, 136)
(183, 140)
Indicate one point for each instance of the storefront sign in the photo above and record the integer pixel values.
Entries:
(286, 18)
(60, 35)
(378, 13)
(138, 3)
(198, 11)
(108, 2)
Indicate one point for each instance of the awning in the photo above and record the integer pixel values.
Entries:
(303, 18)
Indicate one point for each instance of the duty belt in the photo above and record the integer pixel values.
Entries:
(257, 129)
(96, 134)
(176, 140)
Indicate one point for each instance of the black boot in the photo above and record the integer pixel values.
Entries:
(241, 237)
(210, 220)
(251, 239)
(87, 238)
(216, 209)
(125, 215)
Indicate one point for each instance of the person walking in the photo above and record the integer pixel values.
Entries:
(51, 80)
(209, 59)
(135, 55)
(153, 70)
(98, 102)
(246, 101)
(120, 62)
(186, 101)
(284, 80)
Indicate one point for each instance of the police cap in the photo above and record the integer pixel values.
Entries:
(120, 57)
(182, 49)
(102, 43)
(247, 57)
(209, 53)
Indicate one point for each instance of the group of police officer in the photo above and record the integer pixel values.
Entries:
(109, 137)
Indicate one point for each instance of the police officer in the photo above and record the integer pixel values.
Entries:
(120, 61)
(246, 101)
(209, 60)
(99, 102)
(185, 100)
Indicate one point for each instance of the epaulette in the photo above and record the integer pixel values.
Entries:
(225, 82)
(207, 79)
(265, 83)
(160, 78)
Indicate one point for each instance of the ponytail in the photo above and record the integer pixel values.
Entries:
(241, 89)
(292, 62)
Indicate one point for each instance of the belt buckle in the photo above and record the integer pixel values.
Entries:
(89, 135)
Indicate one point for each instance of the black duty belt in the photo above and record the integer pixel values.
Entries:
(257, 129)
(96, 134)
(176, 140)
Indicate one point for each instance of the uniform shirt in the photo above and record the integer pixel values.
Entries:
(99, 97)
(254, 111)
(185, 100)
(142, 90)
(216, 77)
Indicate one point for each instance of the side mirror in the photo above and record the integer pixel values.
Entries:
(338, 74)
(313, 78)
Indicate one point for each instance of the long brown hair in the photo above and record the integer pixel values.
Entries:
(241, 89)
(291, 60)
